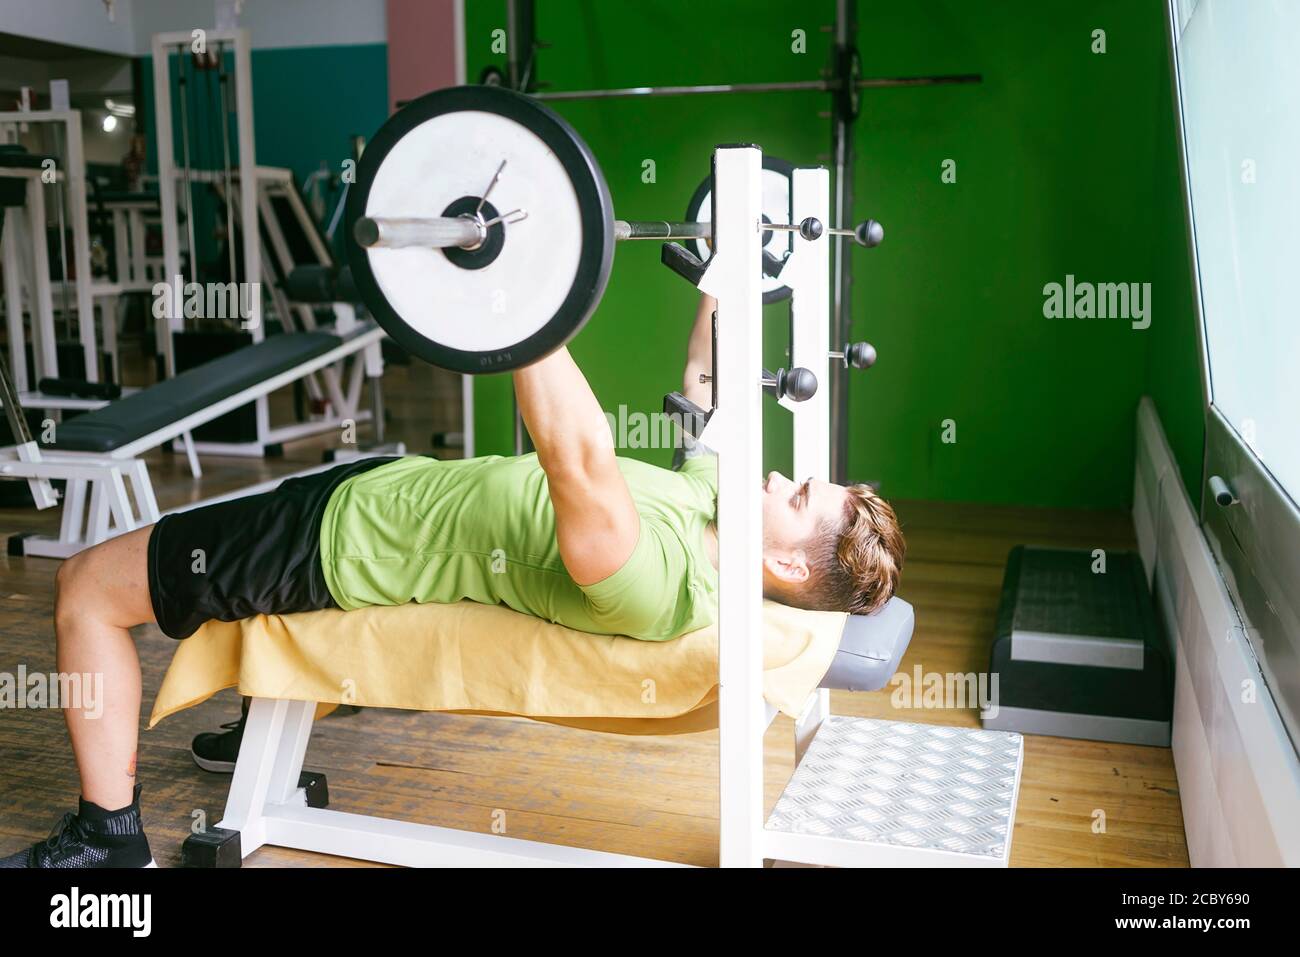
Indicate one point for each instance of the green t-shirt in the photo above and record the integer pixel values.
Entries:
(424, 530)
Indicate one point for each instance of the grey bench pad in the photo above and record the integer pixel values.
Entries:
(871, 648)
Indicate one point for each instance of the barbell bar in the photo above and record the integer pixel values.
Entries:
(866, 233)
(433, 232)
(470, 231)
(791, 86)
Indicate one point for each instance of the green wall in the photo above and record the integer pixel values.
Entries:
(1173, 377)
(1059, 161)
(1066, 162)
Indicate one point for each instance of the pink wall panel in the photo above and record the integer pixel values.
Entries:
(421, 47)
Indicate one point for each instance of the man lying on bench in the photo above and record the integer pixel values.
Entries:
(572, 534)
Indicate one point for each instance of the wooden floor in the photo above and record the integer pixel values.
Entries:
(654, 797)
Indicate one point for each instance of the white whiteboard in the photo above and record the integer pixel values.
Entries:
(1239, 73)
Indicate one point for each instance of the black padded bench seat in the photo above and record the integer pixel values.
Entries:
(13, 189)
(17, 157)
(196, 389)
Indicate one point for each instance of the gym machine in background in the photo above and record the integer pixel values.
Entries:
(177, 185)
(206, 119)
(73, 293)
(845, 84)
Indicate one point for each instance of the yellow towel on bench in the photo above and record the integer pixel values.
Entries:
(487, 659)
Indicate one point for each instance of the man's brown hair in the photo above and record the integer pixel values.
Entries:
(854, 565)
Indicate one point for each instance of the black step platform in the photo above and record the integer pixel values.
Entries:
(1078, 652)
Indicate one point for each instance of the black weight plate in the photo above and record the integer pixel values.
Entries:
(550, 250)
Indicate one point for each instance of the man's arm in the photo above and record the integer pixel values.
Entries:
(596, 522)
(699, 355)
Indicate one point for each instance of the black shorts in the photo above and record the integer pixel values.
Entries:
(247, 556)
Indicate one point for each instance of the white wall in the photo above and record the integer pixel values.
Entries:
(273, 23)
(74, 22)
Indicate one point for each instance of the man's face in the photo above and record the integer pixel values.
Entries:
(792, 513)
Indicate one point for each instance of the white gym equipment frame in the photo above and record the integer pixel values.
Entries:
(19, 263)
(71, 171)
(30, 262)
(132, 273)
(96, 504)
(275, 183)
(162, 46)
(256, 186)
(267, 805)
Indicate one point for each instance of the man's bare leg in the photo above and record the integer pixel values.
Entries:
(102, 592)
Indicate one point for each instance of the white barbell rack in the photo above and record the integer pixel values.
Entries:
(806, 274)
(735, 432)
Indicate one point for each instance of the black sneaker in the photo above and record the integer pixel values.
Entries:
(92, 837)
(217, 751)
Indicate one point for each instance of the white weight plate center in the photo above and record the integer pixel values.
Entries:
(514, 296)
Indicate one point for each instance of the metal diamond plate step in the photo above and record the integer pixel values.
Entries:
(871, 792)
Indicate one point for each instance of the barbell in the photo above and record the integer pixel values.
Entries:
(484, 229)
(472, 231)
